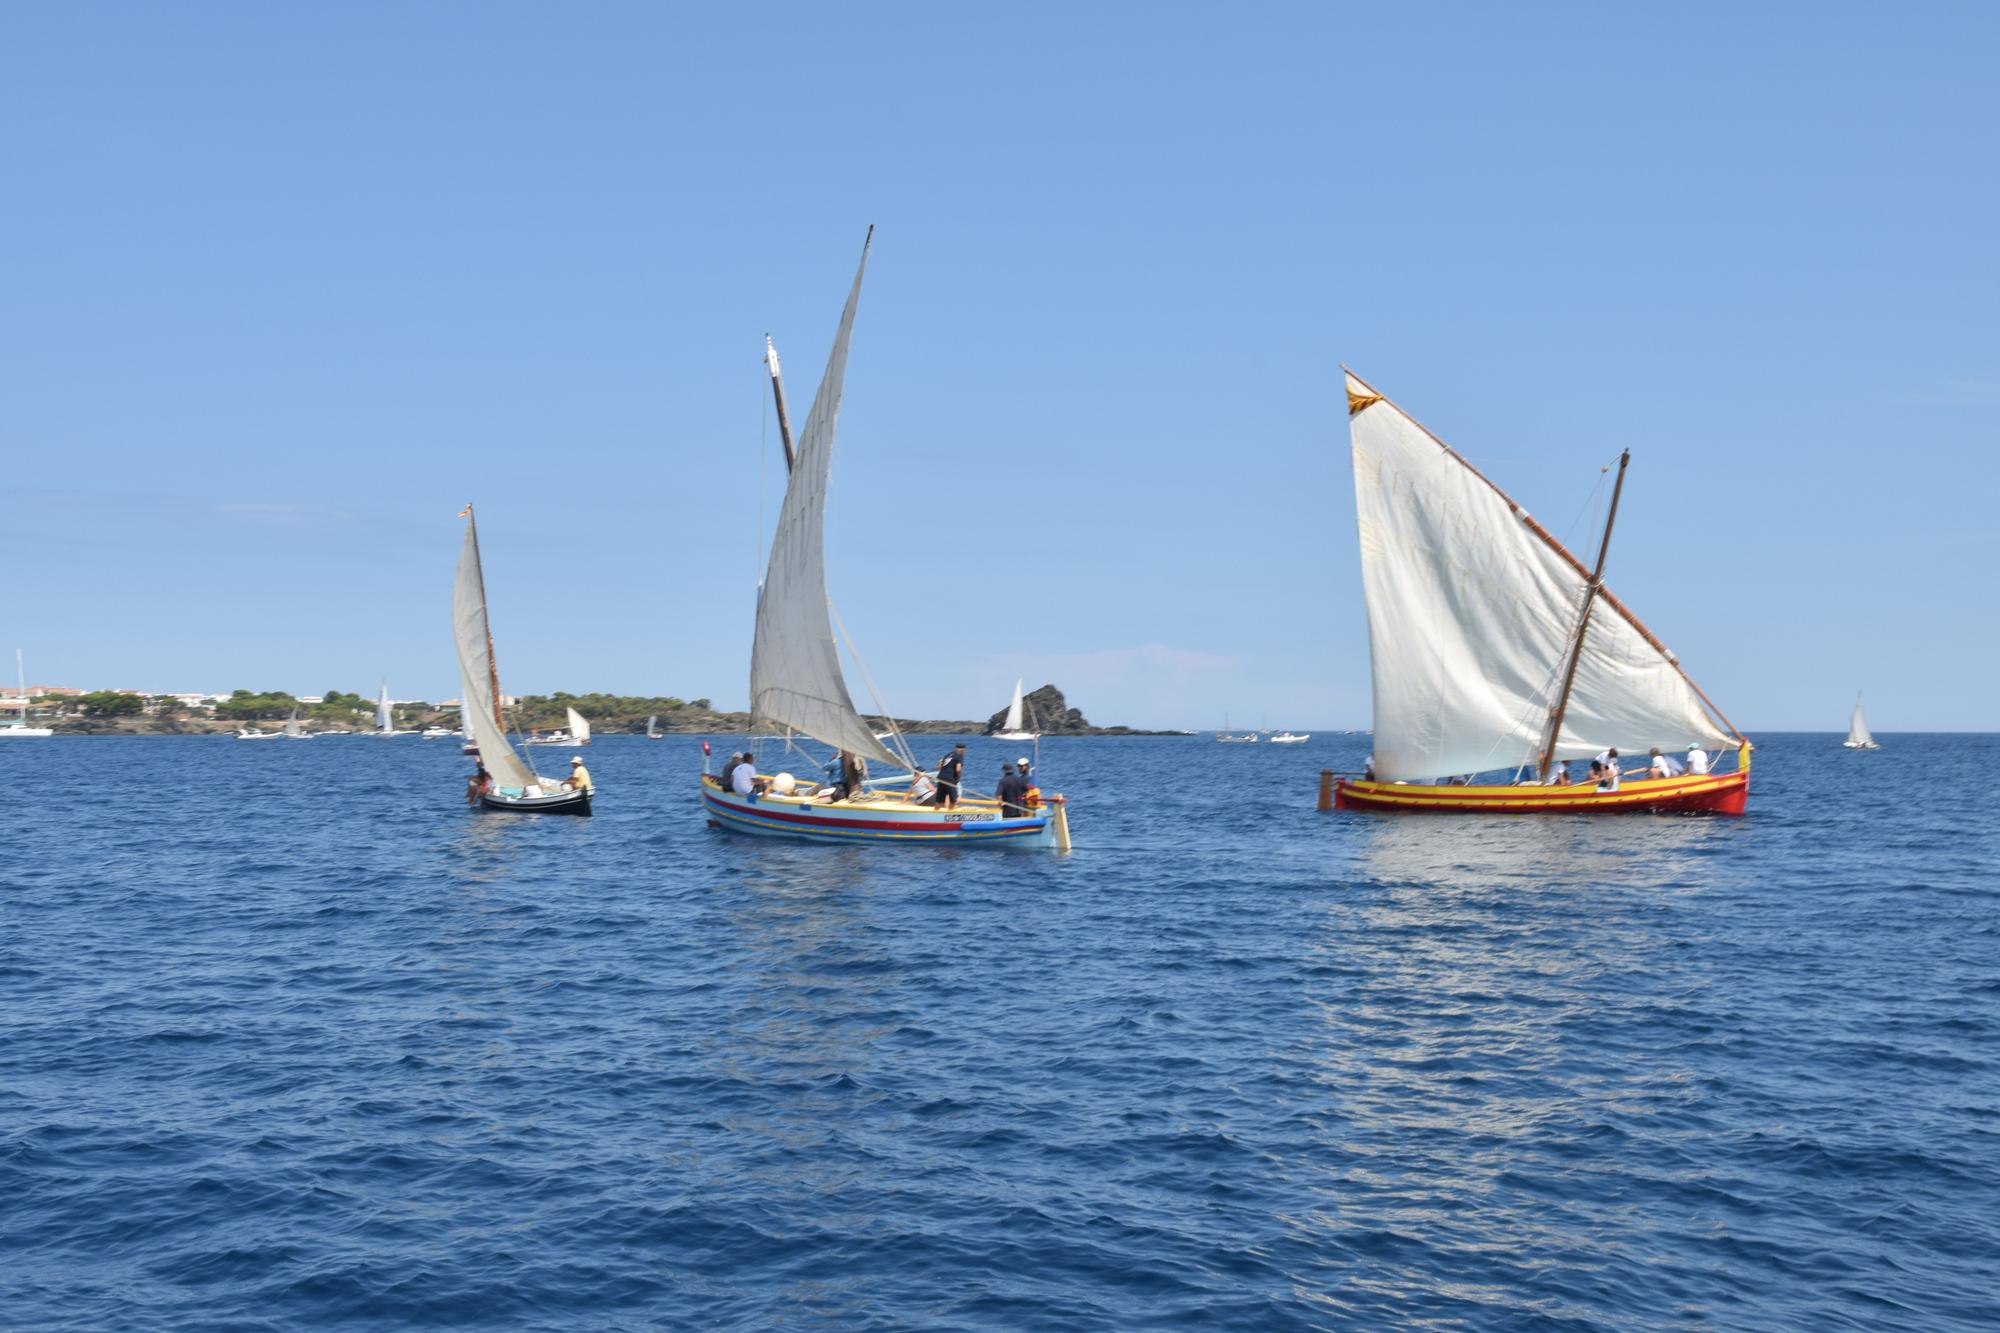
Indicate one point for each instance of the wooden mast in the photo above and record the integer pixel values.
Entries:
(1582, 624)
(778, 392)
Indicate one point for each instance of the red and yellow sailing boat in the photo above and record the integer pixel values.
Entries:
(1494, 650)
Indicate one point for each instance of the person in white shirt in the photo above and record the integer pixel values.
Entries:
(1697, 759)
(922, 789)
(1607, 770)
(744, 780)
(1664, 765)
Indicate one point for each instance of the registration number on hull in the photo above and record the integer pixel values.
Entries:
(956, 818)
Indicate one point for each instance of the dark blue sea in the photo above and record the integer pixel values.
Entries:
(289, 1039)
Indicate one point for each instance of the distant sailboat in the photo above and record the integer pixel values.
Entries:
(1229, 738)
(1857, 730)
(797, 688)
(1486, 653)
(20, 728)
(516, 786)
(653, 728)
(293, 730)
(385, 717)
(1010, 730)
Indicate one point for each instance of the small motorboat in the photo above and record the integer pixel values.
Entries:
(1288, 738)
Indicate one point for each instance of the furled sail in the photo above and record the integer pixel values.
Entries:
(478, 681)
(1857, 727)
(384, 719)
(795, 678)
(579, 726)
(1014, 709)
(1472, 610)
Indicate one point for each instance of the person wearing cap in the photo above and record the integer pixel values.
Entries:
(1013, 793)
(579, 776)
(951, 768)
(1664, 765)
(743, 780)
(1027, 772)
(1697, 760)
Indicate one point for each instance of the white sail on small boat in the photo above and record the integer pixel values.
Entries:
(294, 731)
(797, 688)
(1495, 650)
(515, 786)
(19, 728)
(1858, 737)
(653, 728)
(1010, 728)
(385, 716)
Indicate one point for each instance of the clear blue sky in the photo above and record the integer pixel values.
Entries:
(286, 285)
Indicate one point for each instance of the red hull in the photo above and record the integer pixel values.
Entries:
(1711, 794)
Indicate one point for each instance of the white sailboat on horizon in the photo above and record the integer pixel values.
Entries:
(1010, 729)
(1858, 736)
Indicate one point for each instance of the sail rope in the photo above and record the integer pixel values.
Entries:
(901, 746)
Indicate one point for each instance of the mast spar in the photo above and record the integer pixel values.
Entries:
(778, 392)
(1582, 625)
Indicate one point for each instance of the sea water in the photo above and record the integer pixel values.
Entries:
(291, 1039)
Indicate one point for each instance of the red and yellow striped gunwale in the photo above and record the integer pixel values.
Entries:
(1705, 793)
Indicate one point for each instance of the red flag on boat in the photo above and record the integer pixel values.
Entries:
(704, 748)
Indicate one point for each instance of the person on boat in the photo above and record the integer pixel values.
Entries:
(1368, 769)
(951, 769)
(478, 785)
(743, 781)
(1697, 760)
(579, 776)
(1664, 765)
(729, 767)
(852, 776)
(922, 790)
(1605, 772)
(1027, 772)
(1013, 793)
(1562, 778)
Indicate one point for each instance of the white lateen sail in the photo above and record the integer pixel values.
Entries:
(1858, 737)
(385, 721)
(579, 727)
(1472, 612)
(653, 727)
(478, 679)
(292, 727)
(795, 678)
(1014, 709)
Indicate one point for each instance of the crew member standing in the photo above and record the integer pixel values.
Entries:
(1013, 793)
(950, 769)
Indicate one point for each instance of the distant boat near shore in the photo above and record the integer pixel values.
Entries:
(1290, 738)
(20, 728)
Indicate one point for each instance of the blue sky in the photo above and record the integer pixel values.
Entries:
(286, 285)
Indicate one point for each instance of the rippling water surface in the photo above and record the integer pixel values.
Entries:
(290, 1039)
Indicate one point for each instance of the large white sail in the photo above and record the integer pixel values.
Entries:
(384, 718)
(1014, 709)
(476, 674)
(579, 726)
(1857, 728)
(292, 727)
(795, 678)
(1472, 609)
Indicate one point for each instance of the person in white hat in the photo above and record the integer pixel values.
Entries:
(1697, 759)
(579, 776)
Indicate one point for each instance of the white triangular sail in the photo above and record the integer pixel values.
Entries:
(1014, 709)
(292, 727)
(795, 678)
(1472, 609)
(653, 727)
(1857, 728)
(385, 721)
(579, 727)
(477, 678)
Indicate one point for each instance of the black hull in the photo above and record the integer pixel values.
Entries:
(560, 803)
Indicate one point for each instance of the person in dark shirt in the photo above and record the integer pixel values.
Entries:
(729, 767)
(851, 776)
(1013, 793)
(950, 769)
